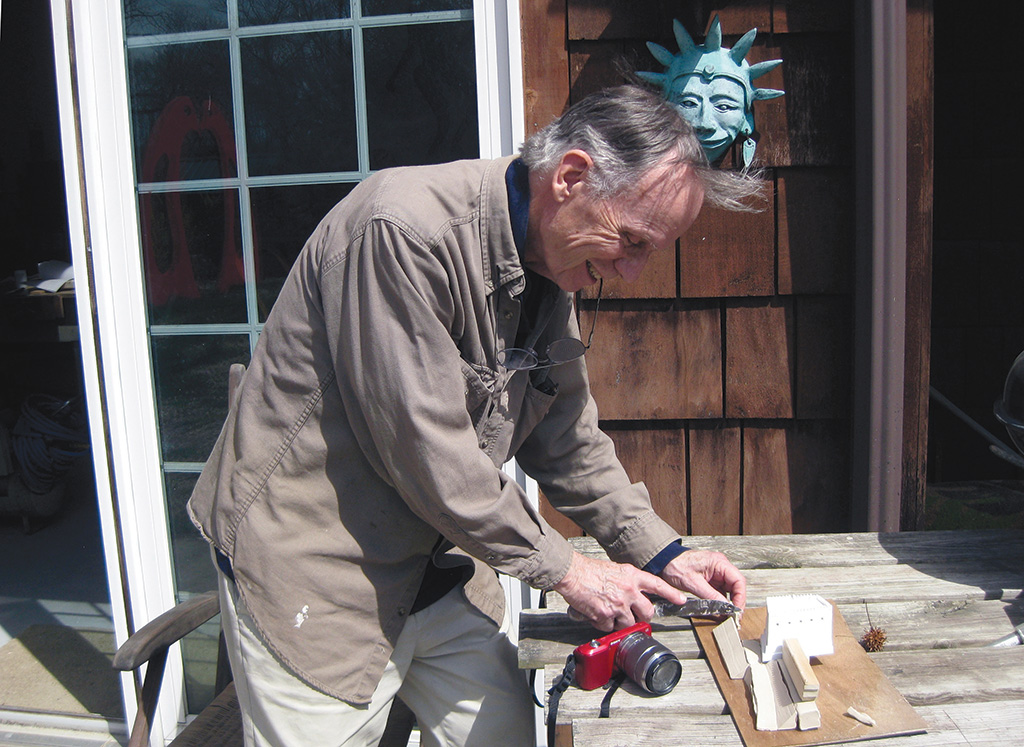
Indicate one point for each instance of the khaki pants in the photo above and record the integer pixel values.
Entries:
(454, 669)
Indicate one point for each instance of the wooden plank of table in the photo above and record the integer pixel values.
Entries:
(884, 583)
(891, 583)
(1000, 548)
(548, 636)
(924, 678)
(696, 693)
(955, 675)
(946, 623)
(975, 724)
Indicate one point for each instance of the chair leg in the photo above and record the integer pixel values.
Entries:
(147, 701)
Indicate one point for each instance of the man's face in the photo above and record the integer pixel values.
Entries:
(586, 238)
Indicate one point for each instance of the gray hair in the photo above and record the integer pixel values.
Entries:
(627, 131)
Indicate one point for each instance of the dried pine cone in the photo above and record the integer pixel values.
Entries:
(873, 639)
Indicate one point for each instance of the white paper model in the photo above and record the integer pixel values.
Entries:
(806, 617)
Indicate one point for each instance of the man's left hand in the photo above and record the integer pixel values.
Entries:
(708, 575)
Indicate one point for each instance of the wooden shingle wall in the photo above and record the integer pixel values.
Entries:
(723, 374)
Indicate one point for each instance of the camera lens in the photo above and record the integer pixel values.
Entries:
(648, 663)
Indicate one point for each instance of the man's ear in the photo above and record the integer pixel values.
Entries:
(570, 172)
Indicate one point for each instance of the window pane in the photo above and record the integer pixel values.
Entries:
(259, 12)
(193, 570)
(192, 249)
(181, 112)
(299, 103)
(283, 218)
(382, 7)
(142, 17)
(421, 94)
(192, 391)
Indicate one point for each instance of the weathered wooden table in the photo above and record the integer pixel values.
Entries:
(941, 597)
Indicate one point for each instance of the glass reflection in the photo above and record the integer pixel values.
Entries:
(283, 218)
(191, 374)
(299, 103)
(383, 7)
(259, 12)
(181, 111)
(143, 17)
(192, 250)
(421, 94)
(193, 574)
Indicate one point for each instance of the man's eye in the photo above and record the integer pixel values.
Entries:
(633, 242)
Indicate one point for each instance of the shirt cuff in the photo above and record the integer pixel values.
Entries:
(658, 562)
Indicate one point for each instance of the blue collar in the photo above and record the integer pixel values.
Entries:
(517, 183)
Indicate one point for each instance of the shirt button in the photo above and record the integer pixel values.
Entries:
(401, 611)
(508, 314)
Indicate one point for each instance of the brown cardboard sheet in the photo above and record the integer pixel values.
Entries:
(847, 678)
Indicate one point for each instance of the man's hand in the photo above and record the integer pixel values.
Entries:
(708, 575)
(611, 595)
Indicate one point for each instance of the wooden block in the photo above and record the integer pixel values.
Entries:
(797, 668)
(664, 365)
(817, 72)
(808, 716)
(714, 475)
(815, 227)
(728, 254)
(791, 477)
(727, 636)
(760, 355)
(759, 685)
(658, 458)
(545, 66)
(785, 708)
(823, 330)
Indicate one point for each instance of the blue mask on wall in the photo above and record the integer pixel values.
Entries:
(713, 86)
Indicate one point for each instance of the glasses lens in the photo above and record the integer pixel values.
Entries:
(517, 359)
(565, 350)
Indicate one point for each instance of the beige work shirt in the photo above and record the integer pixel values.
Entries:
(374, 418)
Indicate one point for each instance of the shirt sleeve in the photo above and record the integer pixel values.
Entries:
(388, 306)
(575, 464)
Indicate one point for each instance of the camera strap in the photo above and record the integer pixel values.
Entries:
(562, 683)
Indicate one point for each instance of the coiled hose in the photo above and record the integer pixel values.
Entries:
(49, 435)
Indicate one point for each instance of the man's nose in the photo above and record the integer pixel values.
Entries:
(629, 268)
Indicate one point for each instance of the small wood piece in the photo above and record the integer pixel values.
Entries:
(802, 681)
(759, 685)
(785, 708)
(808, 716)
(727, 636)
(862, 717)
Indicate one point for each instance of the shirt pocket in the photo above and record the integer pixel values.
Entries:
(536, 404)
(479, 384)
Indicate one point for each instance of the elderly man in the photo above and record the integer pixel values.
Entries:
(355, 499)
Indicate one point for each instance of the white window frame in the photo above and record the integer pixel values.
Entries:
(95, 128)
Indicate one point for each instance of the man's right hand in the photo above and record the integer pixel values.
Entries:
(611, 595)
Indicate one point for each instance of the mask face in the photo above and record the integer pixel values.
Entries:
(715, 108)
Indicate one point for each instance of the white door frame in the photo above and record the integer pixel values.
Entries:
(96, 140)
(99, 177)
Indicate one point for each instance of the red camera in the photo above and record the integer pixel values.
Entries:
(633, 651)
